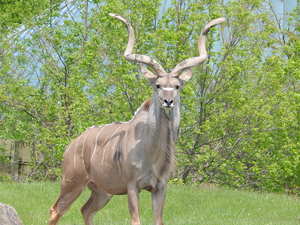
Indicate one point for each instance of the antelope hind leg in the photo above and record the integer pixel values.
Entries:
(68, 194)
(97, 201)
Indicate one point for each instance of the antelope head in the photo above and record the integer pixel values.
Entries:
(167, 85)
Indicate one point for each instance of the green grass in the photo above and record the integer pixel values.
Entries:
(185, 205)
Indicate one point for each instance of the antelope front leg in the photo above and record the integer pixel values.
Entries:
(133, 204)
(158, 200)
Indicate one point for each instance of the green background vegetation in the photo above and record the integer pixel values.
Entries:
(62, 70)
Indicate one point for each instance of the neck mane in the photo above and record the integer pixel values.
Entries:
(158, 116)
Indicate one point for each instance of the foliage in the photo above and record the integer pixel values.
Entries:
(17, 12)
(240, 113)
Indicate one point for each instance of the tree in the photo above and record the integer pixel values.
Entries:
(240, 113)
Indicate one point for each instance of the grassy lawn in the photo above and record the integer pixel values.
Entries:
(185, 205)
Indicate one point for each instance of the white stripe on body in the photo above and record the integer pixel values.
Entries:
(75, 161)
(106, 148)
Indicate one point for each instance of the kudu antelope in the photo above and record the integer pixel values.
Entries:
(126, 157)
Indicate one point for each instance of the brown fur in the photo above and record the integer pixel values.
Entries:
(146, 105)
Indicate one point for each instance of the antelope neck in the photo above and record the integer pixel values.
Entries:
(159, 117)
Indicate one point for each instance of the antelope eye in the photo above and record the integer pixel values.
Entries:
(157, 86)
(177, 87)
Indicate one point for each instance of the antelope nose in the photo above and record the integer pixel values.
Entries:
(168, 102)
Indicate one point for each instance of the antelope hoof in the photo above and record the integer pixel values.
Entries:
(54, 216)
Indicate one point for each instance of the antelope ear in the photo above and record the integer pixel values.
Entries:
(185, 75)
(147, 73)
